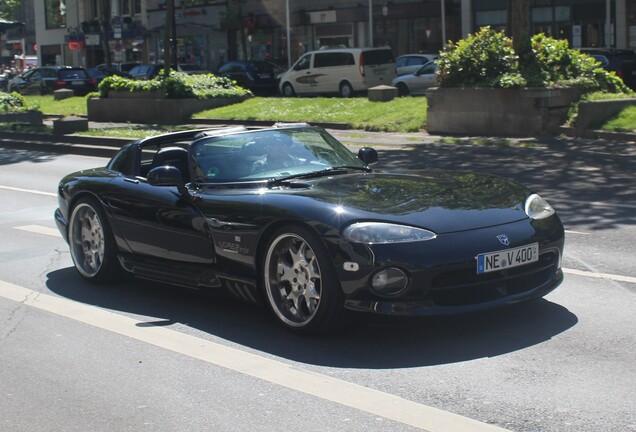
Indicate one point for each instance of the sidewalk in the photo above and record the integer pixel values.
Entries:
(104, 146)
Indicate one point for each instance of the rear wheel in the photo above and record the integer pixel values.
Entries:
(288, 90)
(91, 242)
(300, 283)
(346, 90)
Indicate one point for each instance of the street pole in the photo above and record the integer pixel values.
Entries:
(370, 23)
(608, 24)
(444, 23)
(288, 23)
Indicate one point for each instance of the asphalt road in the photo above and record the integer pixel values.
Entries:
(137, 356)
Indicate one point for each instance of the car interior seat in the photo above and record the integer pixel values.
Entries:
(173, 156)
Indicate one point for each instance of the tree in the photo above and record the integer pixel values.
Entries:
(7, 8)
(519, 25)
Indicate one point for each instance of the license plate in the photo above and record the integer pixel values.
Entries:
(505, 259)
(380, 71)
(264, 76)
(76, 83)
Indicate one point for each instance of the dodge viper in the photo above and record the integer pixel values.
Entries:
(289, 217)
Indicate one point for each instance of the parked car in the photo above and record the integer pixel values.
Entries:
(417, 83)
(411, 63)
(342, 71)
(289, 217)
(145, 71)
(255, 75)
(47, 79)
(116, 68)
(192, 69)
(621, 61)
(97, 74)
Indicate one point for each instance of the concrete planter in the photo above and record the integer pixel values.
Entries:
(150, 94)
(31, 117)
(498, 112)
(151, 110)
(592, 114)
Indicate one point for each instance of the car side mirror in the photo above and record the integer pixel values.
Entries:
(368, 155)
(167, 176)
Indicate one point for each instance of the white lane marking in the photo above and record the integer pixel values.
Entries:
(31, 191)
(576, 232)
(617, 278)
(292, 377)
(39, 229)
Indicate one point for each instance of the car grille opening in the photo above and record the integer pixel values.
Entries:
(464, 286)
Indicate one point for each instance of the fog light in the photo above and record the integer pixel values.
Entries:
(389, 281)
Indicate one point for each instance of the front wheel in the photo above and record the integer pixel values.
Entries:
(91, 242)
(288, 90)
(300, 283)
(346, 90)
(403, 89)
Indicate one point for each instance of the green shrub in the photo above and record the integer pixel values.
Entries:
(12, 102)
(488, 59)
(177, 85)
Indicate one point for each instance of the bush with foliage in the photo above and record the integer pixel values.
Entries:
(177, 85)
(488, 59)
(12, 102)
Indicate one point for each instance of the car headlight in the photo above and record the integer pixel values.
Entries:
(538, 208)
(383, 233)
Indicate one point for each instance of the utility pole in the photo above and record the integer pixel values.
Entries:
(168, 38)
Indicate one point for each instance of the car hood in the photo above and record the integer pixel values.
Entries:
(440, 201)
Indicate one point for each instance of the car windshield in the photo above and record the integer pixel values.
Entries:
(268, 155)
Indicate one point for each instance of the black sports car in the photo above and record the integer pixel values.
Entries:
(289, 216)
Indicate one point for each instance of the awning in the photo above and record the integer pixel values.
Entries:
(6, 25)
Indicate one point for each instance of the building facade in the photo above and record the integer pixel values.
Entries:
(210, 32)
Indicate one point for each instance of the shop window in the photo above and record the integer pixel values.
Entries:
(491, 18)
(541, 14)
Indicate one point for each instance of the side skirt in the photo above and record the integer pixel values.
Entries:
(200, 278)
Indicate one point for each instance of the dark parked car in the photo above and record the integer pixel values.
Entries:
(145, 71)
(47, 79)
(257, 76)
(621, 61)
(288, 216)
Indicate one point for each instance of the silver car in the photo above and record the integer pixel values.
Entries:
(416, 83)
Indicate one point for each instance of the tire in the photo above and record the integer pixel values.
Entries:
(403, 89)
(346, 90)
(288, 90)
(91, 242)
(301, 286)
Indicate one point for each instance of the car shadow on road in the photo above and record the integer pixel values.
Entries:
(368, 342)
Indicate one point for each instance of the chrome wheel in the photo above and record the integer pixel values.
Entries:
(86, 237)
(293, 280)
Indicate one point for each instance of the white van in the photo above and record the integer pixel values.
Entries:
(343, 71)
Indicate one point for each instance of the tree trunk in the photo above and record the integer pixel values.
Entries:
(106, 32)
(519, 24)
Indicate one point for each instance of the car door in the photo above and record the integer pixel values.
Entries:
(302, 76)
(424, 79)
(155, 221)
(29, 82)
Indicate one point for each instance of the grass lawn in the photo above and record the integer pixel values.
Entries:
(624, 122)
(407, 114)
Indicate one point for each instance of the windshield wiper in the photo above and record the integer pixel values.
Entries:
(314, 174)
